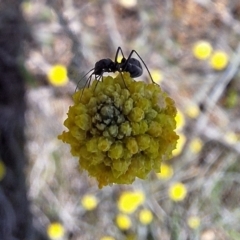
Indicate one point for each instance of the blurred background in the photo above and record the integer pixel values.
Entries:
(192, 50)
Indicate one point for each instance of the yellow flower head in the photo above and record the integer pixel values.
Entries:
(180, 120)
(57, 75)
(180, 145)
(192, 111)
(145, 216)
(128, 3)
(123, 221)
(219, 60)
(2, 170)
(177, 192)
(156, 75)
(196, 145)
(202, 50)
(119, 58)
(107, 238)
(194, 222)
(230, 137)
(89, 202)
(166, 171)
(121, 130)
(129, 201)
(55, 231)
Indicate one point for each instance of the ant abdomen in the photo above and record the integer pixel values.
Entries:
(133, 67)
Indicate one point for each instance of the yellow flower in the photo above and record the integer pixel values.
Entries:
(121, 129)
(177, 192)
(166, 171)
(231, 137)
(129, 201)
(107, 238)
(123, 221)
(57, 75)
(128, 3)
(180, 120)
(202, 50)
(89, 202)
(180, 145)
(219, 60)
(119, 58)
(156, 75)
(192, 111)
(27, 7)
(145, 216)
(196, 145)
(2, 170)
(55, 230)
(194, 222)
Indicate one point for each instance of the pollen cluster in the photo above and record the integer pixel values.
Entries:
(121, 129)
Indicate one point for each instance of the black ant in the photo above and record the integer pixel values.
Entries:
(130, 64)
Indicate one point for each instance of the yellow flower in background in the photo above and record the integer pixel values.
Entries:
(194, 222)
(232, 137)
(123, 221)
(219, 60)
(107, 238)
(55, 230)
(177, 192)
(180, 120)
(121, 130)
(180, 145)
(89, 202)
(156, 76)
(128, 3)
(202, 50)
(57, 75)
(130, 201)
(196, 145)
(166, 171)
(145, 216)
(2, 170)
(27, 7)
(119, 58)
(192, 111)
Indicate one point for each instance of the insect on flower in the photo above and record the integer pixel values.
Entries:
(121, 128)
(130, 65)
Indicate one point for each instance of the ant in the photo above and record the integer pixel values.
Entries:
(130, 64)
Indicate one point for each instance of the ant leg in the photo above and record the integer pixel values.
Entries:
(83, 78)
(130, 55)
(98, 79)
(123, 79)
(116, 56)
(87, 82)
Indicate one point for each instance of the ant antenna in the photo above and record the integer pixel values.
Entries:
(87, 82)
(83, 78)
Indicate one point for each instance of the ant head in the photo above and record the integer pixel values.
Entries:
(103, 65)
